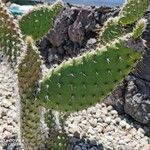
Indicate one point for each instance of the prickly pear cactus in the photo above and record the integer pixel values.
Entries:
(83, 81)
(36, 23)
(29, 69)
(28, 76)
(111, 30)
(133, 10)
(139, 28)
(11, 43)
(58, 141)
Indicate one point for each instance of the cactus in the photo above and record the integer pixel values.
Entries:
(11, 43)
(76, 83)
(139, 28)
(58, 141)
(111, 30)
(28, 76)
(37, 22)
(29, 66)
(132, 11)
(83, 81)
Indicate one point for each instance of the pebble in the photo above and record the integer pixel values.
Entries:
(108, 120)
(108, 129)
(91, 41)
(9, 120)
(122, 123)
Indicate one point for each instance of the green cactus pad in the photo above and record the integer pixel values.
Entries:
(28, 76)
(58, 141)
(11, 43)
(37, 22)
(111, 31)
(29, 70)
(133, 10)
(30, 122)
(139, 28)
(83, 81)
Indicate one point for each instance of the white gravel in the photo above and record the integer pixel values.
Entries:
(100, 126)
(109, 130)
(9, 104)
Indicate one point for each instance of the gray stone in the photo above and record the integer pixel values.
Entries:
(108, 120)
(137, 100)
(85, 22)
(143, 70)
(116, 99)
(58, 34)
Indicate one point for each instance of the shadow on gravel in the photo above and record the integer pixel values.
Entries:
(77, 143)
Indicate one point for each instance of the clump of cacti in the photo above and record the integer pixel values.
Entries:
(38, 21)
(77, 83)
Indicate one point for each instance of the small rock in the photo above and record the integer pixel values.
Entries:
(91, 41)
(114, 112)
(108, 120)
(109, 108)
(122, 124)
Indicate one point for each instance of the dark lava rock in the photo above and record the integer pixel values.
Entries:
(85, 22)
(143, 67)
(76, 32)
(116, 99)
(137, 100)
(82, 144)
(59, 33)
(71, 31)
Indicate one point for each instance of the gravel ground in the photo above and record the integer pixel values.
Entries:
(9, 104)
(98, 127)
(106, 129)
